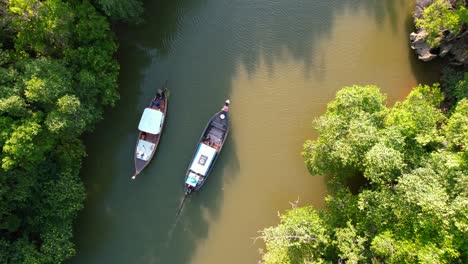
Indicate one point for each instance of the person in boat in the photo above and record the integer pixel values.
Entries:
(141, 152)
(190, 188)
(226, 105)
(160, 94)
(155, 104)
(209, 141)
(143, 135)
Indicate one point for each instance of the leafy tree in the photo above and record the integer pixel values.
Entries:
(92, 58)
(57, 72)
(457, 127)
(463, 14)
(70, 118)
(350, 245)
(300, 238)
(423, 191)
(26, 145)
(348, 130)
(419, 115)
(376, 211)
(43, 26)
(439, 17)
(455, 85)
(383, 164)
(13, 106)
(417, 120)
(45, 81)
(415, 208)
(383, 247)
(388, 249)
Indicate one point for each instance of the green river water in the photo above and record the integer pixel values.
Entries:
(279, 62)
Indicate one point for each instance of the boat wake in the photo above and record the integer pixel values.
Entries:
(181, 206)
(174, 225)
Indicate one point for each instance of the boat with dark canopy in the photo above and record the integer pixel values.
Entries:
(150, 127)
(209, 146)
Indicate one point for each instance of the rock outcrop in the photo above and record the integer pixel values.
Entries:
(422, 48)
(452, 47)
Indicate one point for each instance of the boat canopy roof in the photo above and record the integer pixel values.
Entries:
(151, 121)
(203, 159)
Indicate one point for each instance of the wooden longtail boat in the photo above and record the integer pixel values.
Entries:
(209, 146)
(150, 127)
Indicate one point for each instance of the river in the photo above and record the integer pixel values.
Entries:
(279, 62)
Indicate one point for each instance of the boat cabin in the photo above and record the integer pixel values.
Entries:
(151, 121)
(150, 125)
(201, 164)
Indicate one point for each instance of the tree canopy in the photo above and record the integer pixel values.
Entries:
(441, 16)
(128, 10)
(57, 72)
(413, 207)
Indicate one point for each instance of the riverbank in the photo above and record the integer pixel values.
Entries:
(442, 33)
(280, 63)
(57, 74)
(411, 158)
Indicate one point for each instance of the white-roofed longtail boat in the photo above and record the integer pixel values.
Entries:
(209, 146)
(150, 127)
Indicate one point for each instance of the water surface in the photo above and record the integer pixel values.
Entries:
(279, 62)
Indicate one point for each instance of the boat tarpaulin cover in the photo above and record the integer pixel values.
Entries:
(203, 158)
(192, 179)
(144, 149)
(151, 121)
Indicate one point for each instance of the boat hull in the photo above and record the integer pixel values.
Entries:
(140, 163)
(221, 125)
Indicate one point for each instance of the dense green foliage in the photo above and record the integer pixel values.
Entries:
(125, 10)
(441, 16)
(455, 85)
(301, 236)
(57, 72)
(414, 206)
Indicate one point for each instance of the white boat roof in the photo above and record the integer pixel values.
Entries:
(151, 121)
(203, 158)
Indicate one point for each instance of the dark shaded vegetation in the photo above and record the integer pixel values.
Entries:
(129, 11)
(454, 82)
(57, 73)
(443, 25)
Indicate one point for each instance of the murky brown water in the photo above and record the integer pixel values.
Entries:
(279, 62)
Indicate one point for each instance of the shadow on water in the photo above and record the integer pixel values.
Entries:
(197, 46)
(383, 10)
(99, 169)
(164, 18)
(248, 31)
